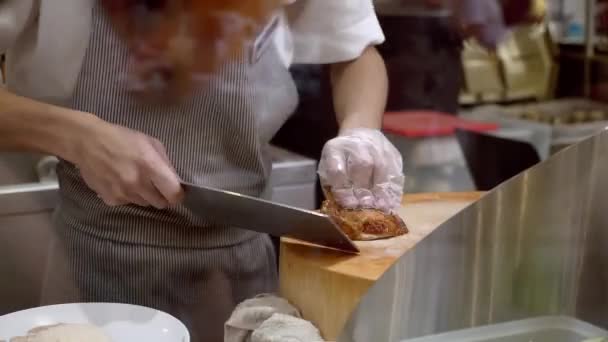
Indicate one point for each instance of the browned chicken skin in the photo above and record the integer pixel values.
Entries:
(364, 224)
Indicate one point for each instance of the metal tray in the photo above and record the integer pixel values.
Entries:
(542, 329)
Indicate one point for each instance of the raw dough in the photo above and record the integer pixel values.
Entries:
(285, 328)
(64, 333)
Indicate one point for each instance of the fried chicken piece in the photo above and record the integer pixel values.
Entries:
(364, 224)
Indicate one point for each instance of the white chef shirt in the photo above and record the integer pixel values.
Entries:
(328, 31)
(45, 41)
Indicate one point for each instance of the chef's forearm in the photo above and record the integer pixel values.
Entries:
(360, 89)
(28, 125)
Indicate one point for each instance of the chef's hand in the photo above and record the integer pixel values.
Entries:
(363, 170)
(127, 167)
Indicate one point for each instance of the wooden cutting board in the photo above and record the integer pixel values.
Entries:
(326, 285)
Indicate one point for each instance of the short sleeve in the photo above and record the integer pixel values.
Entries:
(331, 31)
(14, 16)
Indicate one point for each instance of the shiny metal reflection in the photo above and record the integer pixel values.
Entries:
(535, 246)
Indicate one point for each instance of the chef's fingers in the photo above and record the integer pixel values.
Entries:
(167, 183)
(333, 173)
(388, 163)
(345, 197)
(114, 202)
(360, 170)
(381, 197)
(162, 152)
(153, 194)
(332, 168)
(388, 195)
(134, 185)
(139, 191)
(111, 197)
(149, 194)
(166, 188)
(382, 169)
(110, 193)
(360, 167)
(388, 179)
(138, 200)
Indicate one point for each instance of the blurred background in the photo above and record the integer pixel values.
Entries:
(541, 90)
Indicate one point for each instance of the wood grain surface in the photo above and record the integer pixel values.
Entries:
(327, 285)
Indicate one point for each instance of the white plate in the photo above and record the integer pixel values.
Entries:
(122, 322)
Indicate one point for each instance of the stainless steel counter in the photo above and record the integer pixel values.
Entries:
(18, 168)
(293, 179)
(25, 229)
(535, 246)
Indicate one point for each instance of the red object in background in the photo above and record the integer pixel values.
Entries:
(423, 124)
(601, 17)
(173, 42)
(599, 92)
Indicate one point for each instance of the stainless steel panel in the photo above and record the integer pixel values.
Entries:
(289, 168)
(18, 168)
(25, 235)
(535, 246)
(300, 196)
(293, 179)
(28, 198)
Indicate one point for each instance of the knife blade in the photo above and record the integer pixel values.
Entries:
(246, 212)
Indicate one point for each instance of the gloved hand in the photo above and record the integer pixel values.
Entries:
(285, 328)
(363, 170)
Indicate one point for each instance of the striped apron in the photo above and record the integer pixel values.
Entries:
(170, 259)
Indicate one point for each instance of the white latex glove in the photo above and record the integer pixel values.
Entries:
(285, 328)
(363, 170)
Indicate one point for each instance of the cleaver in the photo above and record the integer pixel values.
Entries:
(279, 220)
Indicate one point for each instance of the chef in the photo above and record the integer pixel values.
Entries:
(121, 234)
(424, 60)
(425, 41)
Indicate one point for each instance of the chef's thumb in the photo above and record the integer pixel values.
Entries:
(165, 179)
